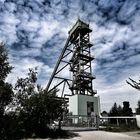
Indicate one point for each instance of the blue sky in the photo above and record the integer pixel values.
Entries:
(35, 32)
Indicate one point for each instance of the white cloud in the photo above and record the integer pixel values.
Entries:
(118, 93)
(46, 30)
(8, 28)
(21, 67)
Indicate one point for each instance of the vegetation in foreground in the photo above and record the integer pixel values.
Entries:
(27, 110)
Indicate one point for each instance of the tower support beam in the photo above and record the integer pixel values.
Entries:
(76, 55)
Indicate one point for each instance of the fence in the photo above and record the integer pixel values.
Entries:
(119, 119)
(81, 121)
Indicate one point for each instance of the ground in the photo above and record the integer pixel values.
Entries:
(102, 135)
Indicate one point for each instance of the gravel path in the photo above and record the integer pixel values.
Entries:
(100, 135)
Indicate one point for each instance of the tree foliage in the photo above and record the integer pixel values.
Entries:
(25, 88)
(36, 107)
(6, 95)
(5, 67)
(126, 111)
(138, 108)
(117, 110)
(6, 92)
(114, 110)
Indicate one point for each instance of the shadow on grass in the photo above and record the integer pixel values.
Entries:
(48, 133)
(62, 134)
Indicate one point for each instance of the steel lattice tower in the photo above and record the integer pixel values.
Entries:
(77, 56)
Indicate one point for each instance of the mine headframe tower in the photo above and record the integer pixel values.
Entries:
(76, 55)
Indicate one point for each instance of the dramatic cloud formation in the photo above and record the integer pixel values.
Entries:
(35, 32)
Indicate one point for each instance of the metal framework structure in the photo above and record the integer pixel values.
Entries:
(76, 55)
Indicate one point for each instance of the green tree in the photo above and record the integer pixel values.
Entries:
(25, 88)
(37, 108)
(138, 108)
(119, 108)
(6, 93)
(5, 67)
(114, 110)
(126, 111)
(5, 88)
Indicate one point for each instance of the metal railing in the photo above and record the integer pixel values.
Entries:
(81, 121)
(119, 119)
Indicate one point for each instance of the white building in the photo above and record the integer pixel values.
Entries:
(84, 104)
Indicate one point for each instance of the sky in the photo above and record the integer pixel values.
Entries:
(35, 32)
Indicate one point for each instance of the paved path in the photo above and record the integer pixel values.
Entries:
(100, 135)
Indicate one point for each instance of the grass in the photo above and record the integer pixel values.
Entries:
(121, 128)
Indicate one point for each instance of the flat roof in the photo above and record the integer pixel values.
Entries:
(79, 24)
